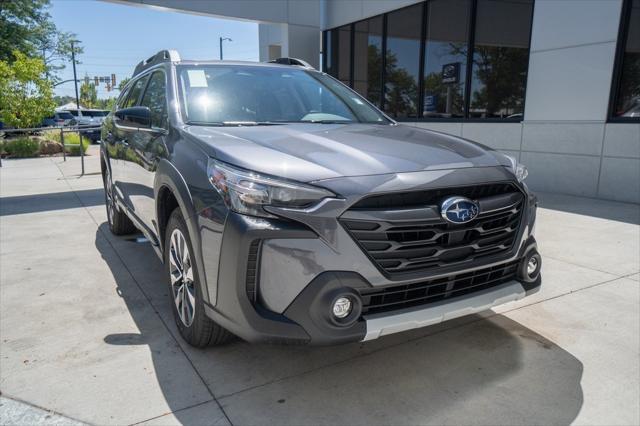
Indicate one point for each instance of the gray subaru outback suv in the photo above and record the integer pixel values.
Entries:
(287, 208)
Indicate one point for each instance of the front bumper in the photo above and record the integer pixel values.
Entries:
(276, 280)
(305, 320)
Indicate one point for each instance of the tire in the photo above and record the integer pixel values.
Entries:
(119, 222)
(185, 290)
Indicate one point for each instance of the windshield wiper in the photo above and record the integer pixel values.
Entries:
(250, 123)
(327, 121)
(233, 123)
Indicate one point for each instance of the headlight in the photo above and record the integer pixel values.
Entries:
(520, 170)
(248, 192)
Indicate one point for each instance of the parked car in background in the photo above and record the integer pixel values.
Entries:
(59, 119)
(287, 208)
(89, 117)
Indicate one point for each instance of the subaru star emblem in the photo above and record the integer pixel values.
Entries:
(459, 210)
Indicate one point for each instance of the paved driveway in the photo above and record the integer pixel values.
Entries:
(86, 332)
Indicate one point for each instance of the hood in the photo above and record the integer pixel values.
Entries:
(309, 152)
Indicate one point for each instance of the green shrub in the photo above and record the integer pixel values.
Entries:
(52, 134)
(71, 141)
(22, 147)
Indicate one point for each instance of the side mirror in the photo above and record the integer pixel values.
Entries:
(138, 116)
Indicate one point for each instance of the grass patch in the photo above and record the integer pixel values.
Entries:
(23, 147)
(71, 141)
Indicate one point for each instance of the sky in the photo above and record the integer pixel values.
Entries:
(116, 37)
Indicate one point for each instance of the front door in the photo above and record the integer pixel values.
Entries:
(143, 152)
(118, 142)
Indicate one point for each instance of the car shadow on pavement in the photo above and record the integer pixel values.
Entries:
(36, 203)
(482, 369)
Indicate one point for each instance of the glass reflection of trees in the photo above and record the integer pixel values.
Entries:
(402, 61)
(499, 59)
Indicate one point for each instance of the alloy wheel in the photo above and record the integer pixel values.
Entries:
(111, 207)
(181, 274)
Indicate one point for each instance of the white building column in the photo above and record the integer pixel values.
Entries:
(290, 40)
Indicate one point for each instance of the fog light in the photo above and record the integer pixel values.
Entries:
(532, 266)
(342, 307)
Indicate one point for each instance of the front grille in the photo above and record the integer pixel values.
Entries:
(421, 245)
(398, 200)
(376, 300)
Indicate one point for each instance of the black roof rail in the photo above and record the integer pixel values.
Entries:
(160, 57)
(291, 61)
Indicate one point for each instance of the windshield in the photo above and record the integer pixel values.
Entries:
(64, 115)
(95, 113)
(237, 94)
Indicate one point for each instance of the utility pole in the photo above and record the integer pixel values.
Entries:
(221, 40)
(75, 77)
(75, 83)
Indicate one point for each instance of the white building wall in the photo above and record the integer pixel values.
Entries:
(340, 12)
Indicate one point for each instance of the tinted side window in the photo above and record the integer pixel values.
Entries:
(627, 99)
(500, 58)
(404, 29)
(445, 58)
(367, 56)
(339, 53)
(155, 98)
(134, 92)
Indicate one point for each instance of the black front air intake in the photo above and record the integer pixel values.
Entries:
(391, 298)
(253, 265)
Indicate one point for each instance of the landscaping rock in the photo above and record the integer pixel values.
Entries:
(49, 147)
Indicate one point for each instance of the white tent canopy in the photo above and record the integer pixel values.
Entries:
(68, 106)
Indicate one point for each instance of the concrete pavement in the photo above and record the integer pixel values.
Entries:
(86, 331)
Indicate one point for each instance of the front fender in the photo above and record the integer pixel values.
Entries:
(167, 176)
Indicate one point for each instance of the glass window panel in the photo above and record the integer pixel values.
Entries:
(627, 103)
(344, 54)
(367, 57)
(500, 58)
(217, 93)
(155, 98)
(402, 68)
(134, 93)
(338, 53)
(445, 58)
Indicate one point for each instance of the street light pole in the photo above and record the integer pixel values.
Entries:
(221, 40)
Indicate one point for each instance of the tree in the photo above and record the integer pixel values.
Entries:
(62, 100)
(105, 103)
(27, 95)
(502, 71)
(55, 47)
(88, 94)
(401, 90)
(26, 26)
(123, 83)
